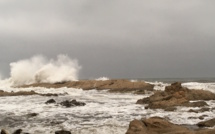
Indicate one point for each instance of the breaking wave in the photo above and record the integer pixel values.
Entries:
(40, 69)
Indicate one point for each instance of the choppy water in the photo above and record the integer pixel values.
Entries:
(104, 113)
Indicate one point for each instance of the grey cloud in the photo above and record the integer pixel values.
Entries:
(114, 38)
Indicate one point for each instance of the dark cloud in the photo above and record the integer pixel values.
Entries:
(120, 38)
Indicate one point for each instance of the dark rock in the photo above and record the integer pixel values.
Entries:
(32, 114)
(201, 117)
(200, 110)
(143, 101)
(49, 94)
(3, 131)
(62, 132)
(72, 103)
(18, 131)
(61, 82)
(76, 103)
(208, 123)
(50, 101)
(67, 103)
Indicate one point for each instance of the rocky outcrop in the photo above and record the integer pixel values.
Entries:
(67, 103)
(176, 95)
(113, 85)
(72, 103)
(208, 123)
(23, 93)
(30, 115)
(199, 110)
(157, 125)
(50, 101)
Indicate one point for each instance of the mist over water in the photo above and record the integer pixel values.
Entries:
(41, 69)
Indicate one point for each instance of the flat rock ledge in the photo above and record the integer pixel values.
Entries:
(176, 95)
(157, 125)
(113, 85)
(23, 93)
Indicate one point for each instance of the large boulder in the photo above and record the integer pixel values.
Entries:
(176, 95)
(157, 125)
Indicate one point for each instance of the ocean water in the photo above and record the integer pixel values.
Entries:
(104, 112)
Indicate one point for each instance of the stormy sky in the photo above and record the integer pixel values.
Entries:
(113, 38)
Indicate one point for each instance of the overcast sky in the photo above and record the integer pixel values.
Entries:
(113, 38)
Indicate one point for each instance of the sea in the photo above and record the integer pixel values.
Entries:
(104, 112)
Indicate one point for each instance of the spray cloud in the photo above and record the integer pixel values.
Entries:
(41, 69)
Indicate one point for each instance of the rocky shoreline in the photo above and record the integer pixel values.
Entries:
(119, 85)
(173, 96)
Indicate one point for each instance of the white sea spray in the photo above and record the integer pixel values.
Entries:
(41, 69)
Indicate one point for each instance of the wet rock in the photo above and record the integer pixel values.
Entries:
(202, 117)
(32, 115)
(157, 125)
(49, 94)
(200, 110)
(3, 131)
(76, 103)
(72, 103)
(67, 103)
(208, 123)
(50, 101)
(18, 131)
(62, 132)
(176, 95)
